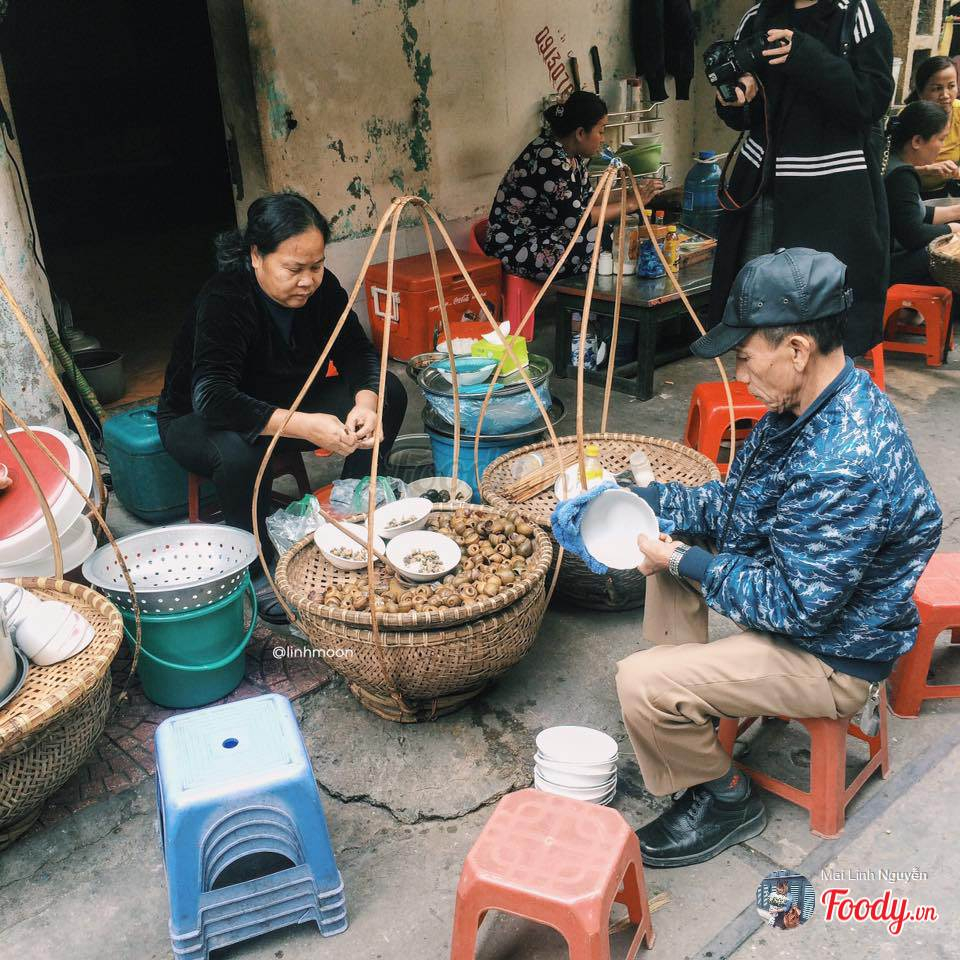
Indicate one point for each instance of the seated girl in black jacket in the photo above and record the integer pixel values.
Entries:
(253, 335)
(916, 137)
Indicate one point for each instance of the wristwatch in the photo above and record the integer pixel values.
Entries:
(673, 564)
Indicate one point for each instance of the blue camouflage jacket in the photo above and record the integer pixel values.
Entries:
(823, 528)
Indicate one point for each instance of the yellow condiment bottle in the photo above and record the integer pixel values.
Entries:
(671, 247)
(592, 465)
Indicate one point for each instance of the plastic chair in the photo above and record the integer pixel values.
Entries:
(708, 420)
(557, 861)
(234, 781)
(287, 464)
(877, 369)
(518, 292)
(938, 600)
(933, 304)
(828, 796)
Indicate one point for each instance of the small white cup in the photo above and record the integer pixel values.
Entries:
(41, 626)
(69, 640)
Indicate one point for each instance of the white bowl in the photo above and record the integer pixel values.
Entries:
(459, 490)
(462, 346)
(646, 139)
(467, 378)
(72, 637)
(576, 775)
(40, 628)
(570, 744)
(77, 544)
(328, 538)
(400, 547)
(578, 790)
(572, 473)
(599, 795)
(606, 767)
(417, 507)
(611, 524)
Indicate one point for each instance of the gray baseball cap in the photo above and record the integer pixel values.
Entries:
(779, 289)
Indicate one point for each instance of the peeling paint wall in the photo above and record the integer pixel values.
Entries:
(359, 101)
(23, 383)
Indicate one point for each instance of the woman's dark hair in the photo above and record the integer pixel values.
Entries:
(918, 119)
(580, 109)
(925, 71)
(271, 219)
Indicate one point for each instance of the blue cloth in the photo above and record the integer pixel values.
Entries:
(568, 515)
(823, 528)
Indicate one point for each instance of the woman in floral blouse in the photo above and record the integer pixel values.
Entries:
(541, 198)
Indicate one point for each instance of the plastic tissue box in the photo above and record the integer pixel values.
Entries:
(496, 351)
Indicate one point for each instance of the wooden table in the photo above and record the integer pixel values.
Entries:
(664, 329)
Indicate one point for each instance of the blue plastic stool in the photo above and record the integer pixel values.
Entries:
(232, 781)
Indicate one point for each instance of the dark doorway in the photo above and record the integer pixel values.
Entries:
(118, 115)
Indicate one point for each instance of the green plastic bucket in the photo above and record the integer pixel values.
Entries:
(191, 659)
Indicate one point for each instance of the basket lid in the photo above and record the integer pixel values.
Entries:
(21, 509)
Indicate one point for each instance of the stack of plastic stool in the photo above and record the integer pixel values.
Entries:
(235, 781)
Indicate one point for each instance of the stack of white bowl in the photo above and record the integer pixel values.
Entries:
(576, 762)
(29, 552)
(47, 631)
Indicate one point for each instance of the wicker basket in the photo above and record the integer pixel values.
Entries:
(48, 729)
(436, 661)
(944, 269)
(618, 589)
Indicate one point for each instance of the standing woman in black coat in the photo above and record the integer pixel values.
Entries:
(810, 158)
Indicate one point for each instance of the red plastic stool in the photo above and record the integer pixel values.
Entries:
(518, 292)
(829, 795)
(708, 421)
(557, 861)
(938, 599)
(877, 369)
(284, 465)
(933, 304)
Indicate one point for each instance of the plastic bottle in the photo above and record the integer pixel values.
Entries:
(605, 263)
(641, 469)
(592, 465)
(671, 247)
(701, 206)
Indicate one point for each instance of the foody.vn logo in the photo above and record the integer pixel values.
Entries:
(892, 910)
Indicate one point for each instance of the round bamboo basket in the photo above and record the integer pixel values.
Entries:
(425, 664)
(49, 728)
(617, 589)
(944, 267)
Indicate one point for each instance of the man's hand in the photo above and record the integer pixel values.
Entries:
(778, 54)
(746, 90)
(325, 430)
(362, 425)
(656, 553)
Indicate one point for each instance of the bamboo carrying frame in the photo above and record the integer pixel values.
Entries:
(426, 214)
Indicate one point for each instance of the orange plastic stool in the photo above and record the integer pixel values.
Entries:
(284, 464)
(877, 370)
(556, 861)
(708, 421)
(828, 796)
(938, 599)
(518, 292)
(933, 304)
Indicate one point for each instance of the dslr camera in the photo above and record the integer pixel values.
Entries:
(726, 61)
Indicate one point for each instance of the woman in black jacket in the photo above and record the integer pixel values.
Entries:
(254, 332)
(809, 109)
(916, 138)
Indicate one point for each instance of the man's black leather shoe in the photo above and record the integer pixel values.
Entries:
(697, 827)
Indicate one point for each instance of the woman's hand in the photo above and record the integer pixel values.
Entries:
(6, 481)
(745, 90)
(325, 430)
(656, 553)
(648, 190)
(778, 54)
(362, 425)
(945, 169)
(954, 227)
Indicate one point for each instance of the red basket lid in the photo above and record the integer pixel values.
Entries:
(19, 507)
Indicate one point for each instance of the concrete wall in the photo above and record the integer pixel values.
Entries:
(23, 383)
(361, 101)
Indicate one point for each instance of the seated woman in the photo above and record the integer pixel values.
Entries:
(916, 136)
(541, 197)
(936, 82)
(254, 332)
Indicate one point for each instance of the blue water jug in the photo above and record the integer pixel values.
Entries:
(701, 206)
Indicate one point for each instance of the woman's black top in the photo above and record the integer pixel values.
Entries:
(240, 356)
(911, 220)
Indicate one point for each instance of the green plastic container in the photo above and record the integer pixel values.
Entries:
(191, 659)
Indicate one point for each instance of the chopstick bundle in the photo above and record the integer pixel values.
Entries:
(534, 482)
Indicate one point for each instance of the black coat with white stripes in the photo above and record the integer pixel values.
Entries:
(809, 136)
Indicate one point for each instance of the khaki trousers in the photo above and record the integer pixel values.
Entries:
(670, 692)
